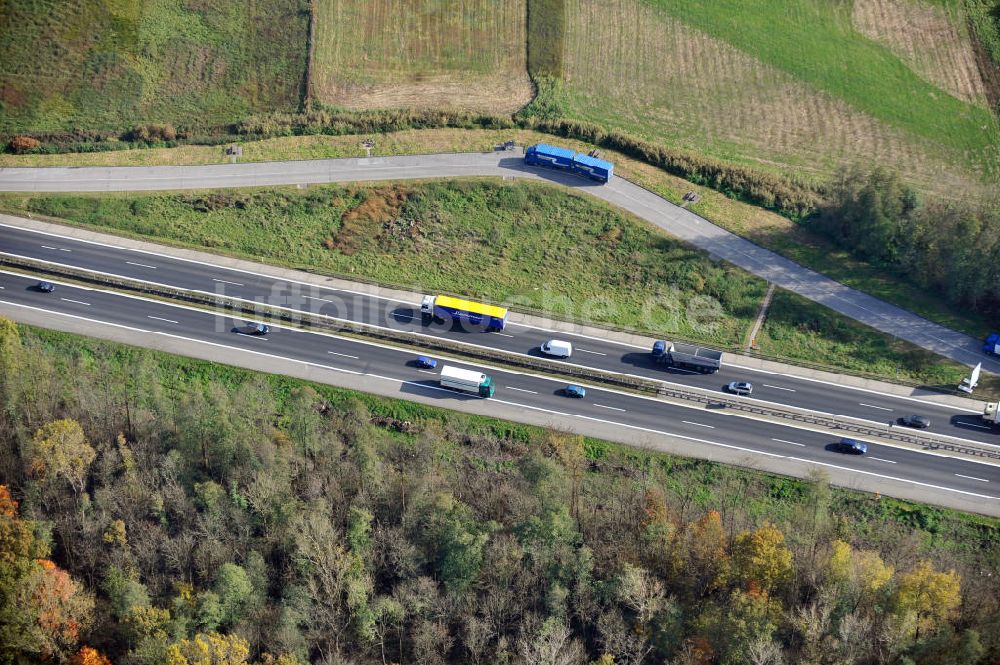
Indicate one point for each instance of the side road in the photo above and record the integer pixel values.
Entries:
(402, 296)
(677, 221)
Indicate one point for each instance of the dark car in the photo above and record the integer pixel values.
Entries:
(740, 387)
(253, 329)
(46, 287)
(574, 391)
(851, 447)
(920, 422)
(426, 363)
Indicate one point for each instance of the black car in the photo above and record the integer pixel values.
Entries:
(920, 422)
(46, 287)
(851, 447)
(253, 329)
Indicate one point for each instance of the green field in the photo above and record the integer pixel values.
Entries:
(105, 65)
(792, 86)
(527, 245)
(441, 54)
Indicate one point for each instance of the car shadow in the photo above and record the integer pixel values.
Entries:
(431, 388)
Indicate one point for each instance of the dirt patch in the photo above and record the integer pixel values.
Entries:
(376, 215)
(930, 40)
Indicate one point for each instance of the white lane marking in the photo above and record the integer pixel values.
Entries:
(982, 480)
(78, 302)
(65, 250)
(791, 442)
(426, 371)
(402, 316)
(698, 424)
(975, 425)
(503, 335)
(882, 460)
(596, 353)
(225, 282)
(141, 265)
(613, 408)
(872, 406)
(1, 287)
(521, 390)
(902, 480)
(767, 385)
(315, 298)
(260, 337)
(47, 247)
(342, 355)
(159, 318)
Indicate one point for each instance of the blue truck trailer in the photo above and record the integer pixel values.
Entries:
(447, 308)
(567, 160)
(592, 167)
(550, 156)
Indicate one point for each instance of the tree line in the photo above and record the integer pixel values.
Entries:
(950, 247)
(160, 510)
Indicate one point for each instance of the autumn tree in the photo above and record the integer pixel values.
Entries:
(703, 558)
(761, 557)
(61, 450)
(209, 649)
(858, 575)
(42, 610)
(931, 596)
(89, 656)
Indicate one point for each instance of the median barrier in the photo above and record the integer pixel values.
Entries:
(710, 399)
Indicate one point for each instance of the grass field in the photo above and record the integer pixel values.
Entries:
(104, 65)
(542, 250)
(785, 85)
(442, 54)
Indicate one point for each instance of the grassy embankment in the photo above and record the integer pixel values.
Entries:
(546, 250)
(792, 86)
(105, 66)
(437, 54)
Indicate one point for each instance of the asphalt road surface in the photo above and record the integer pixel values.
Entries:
(614, 356)
(525, 392)
(677, 221)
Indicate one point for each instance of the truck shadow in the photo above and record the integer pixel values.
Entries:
(431, 388)
(973, 424)
(552, 175)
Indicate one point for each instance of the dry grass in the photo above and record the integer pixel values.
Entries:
(931, 39)
(656, 76)
(442, 54)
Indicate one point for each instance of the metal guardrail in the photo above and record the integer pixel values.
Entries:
(710, 399)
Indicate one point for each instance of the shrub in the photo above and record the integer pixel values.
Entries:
(22, 144)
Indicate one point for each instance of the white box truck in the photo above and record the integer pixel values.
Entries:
(467, 381)
(991, 414)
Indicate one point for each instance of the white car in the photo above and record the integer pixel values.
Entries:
(557, 348)
(740, 388)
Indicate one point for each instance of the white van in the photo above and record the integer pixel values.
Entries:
(557, 348)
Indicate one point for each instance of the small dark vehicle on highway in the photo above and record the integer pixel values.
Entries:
(851, 447)
(426, 363)
(46, 287)
(258, 329)
(574, 391)
(740, 388)
(919, 422)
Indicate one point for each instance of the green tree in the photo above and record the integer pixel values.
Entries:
(234, 590)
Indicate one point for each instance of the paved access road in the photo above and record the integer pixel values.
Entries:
(619, 192)
(524, 392)
(588, 351)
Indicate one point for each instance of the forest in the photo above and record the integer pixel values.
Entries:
(157, 509)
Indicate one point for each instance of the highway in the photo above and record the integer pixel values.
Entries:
(784, 389)
(679, 222)
(524, 392)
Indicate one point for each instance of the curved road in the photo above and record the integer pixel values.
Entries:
(677, 221)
